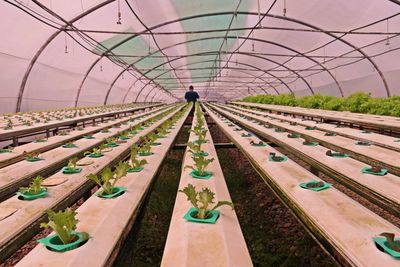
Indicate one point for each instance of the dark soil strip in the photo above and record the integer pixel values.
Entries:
(273, 235)
(145, 243)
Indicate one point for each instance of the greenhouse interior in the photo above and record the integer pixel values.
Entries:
(208, 133)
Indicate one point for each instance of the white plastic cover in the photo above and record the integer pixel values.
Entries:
(61, 53)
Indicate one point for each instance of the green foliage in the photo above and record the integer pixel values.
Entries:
(202, 199)
(359, 102)
(194, 147)
(135, 163)
(200, 164)
(72, 163)
(145, 145)
(63, 223)
(97, 150)
(109, 178)
(35, 187)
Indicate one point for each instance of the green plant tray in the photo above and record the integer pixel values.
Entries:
(204, 154)
(190, 216)
(367, 170)
(105, 131)
(115, 127)
(238, 129)
(309, 128)
(363, 144)
(366, 132)
(156, 144)
(88, 137)
(27, 196)
(161, 136)
(95, 155)
(280, 130)
(207, 175)
(203, 141)
(67, 170)
(69, 146)
(112, 145)
(40, 141)
(381, 243)
(34, 159)
(293, 135)
(310, 143)
(54, 243)
(330, 134)
(144, 154)
(124, 138)
(130, 170)
(117, 191)
(140, 128)
(133, 132)
(124, 123)
(259, 144)
(305, 186)
(285, 158)
(3, 150)
(247, 135)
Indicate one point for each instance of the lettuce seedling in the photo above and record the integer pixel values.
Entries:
(135, 163)
(63, 223)
(201, 164)
(109, 178)
(202, 199)
(34, 188)
(72, 163)
(194, 147)
(145, 146)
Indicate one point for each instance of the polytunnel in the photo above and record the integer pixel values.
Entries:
(286, 153)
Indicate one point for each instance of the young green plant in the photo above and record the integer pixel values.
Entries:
(108, 178)
(201, 200)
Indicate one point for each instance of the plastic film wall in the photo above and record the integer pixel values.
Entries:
(76, 53)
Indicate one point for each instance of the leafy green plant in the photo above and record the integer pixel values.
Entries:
(200, 164)
(34, 188)
(72, 163)
(108, 178)
(201, 200)
(97, 150)
(145, 145)
(195, 147)
(63, 223)
(135, 163)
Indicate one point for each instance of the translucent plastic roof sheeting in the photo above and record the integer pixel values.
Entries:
(72, 53)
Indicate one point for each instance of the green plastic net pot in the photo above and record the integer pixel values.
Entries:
(130, 170)
(34, 159)
(195, 174)
(211, 219)
(69, 146)
(117, 191)
(92, 155)
(28, 196)
(383, 245)
(307, 184)
(54, 243)
(67, 170)
(368, 170)
(283, 158)
(156, 144)
(306, 143)
(144, 154)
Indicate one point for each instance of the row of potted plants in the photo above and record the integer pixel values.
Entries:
(64, 222)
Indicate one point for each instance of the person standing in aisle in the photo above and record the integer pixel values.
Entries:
(191, 96)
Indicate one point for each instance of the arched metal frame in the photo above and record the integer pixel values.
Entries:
(202, 39)
(89, 11)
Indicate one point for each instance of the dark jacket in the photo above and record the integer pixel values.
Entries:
(191, 96)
